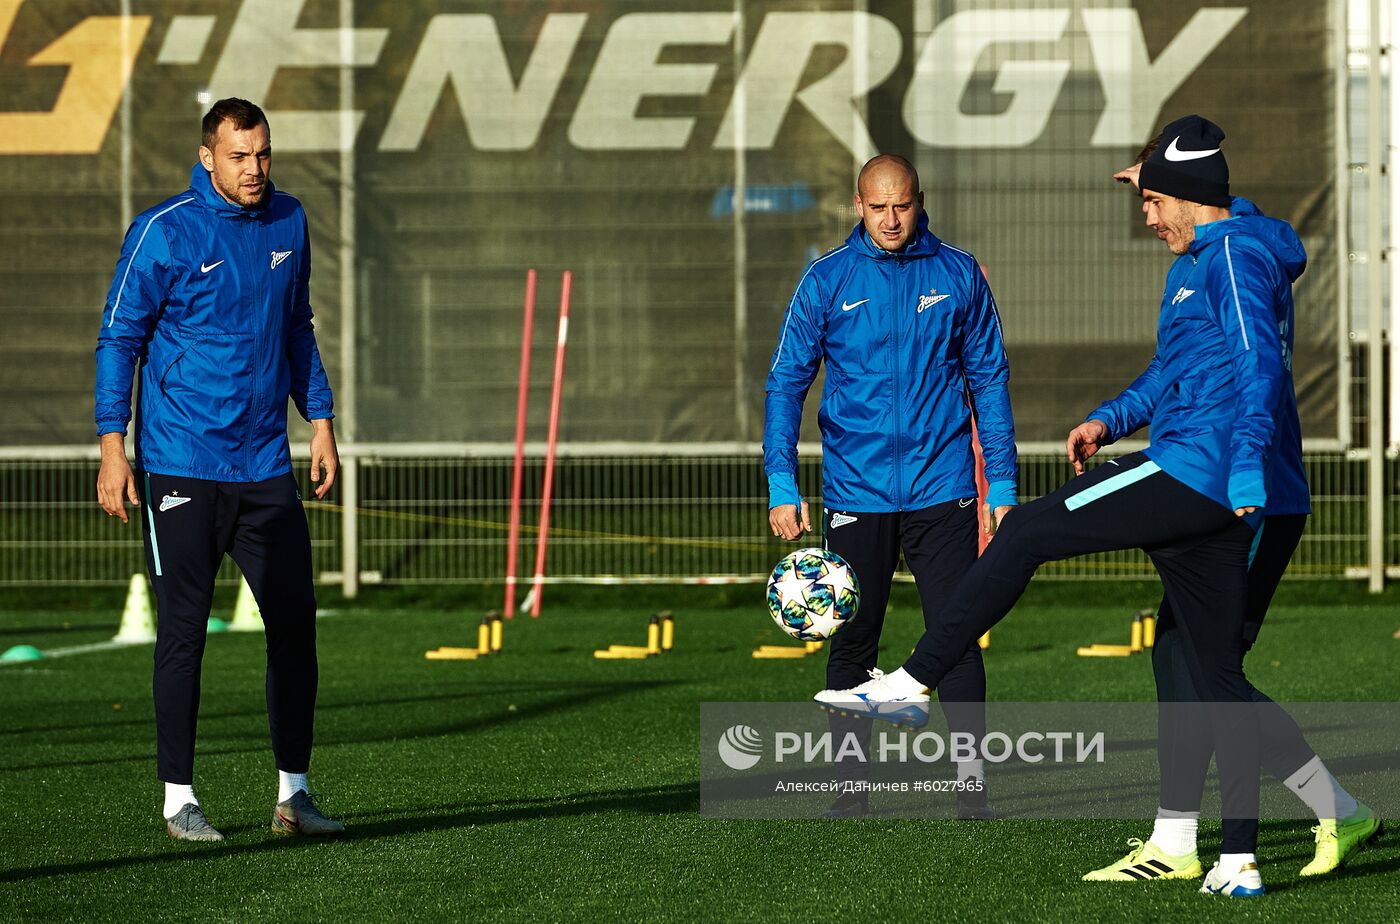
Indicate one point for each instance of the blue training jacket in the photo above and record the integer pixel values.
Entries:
(904, 336)
(211, 301)
(1218, 394)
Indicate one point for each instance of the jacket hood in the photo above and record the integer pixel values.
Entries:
(1275, 235)
(208, 196)
(924, 244)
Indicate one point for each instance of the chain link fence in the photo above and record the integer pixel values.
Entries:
(615, 519)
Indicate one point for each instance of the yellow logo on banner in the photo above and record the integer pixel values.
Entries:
(100, 60)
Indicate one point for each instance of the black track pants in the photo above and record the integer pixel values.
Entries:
(1184, 739)
(189, 525)
(1201, 551)
(939, 545)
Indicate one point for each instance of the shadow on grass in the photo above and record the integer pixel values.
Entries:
(650, 800)
(564, 698)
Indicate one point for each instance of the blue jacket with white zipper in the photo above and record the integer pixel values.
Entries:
(906, 337)
(210, 301)
(1218, 394)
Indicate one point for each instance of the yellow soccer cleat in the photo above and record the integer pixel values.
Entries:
(1148, 861)
(1338, 841)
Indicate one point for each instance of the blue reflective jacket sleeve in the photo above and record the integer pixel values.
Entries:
(783, 491)
(1243, 297)
(1132, 409)
(310, 389)
(794, 367)
(988, 373)
(139, 290)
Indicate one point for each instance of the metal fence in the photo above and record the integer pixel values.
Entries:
(616, 519)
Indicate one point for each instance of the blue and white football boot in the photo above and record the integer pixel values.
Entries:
(1242, 883)
(876, 699)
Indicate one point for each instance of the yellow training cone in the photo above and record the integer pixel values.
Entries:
(246, 615)
(138, 621)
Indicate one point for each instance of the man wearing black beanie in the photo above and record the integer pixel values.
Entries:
(1185, 742)
(1192, 500)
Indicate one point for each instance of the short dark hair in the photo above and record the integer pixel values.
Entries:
(243, 114)
(1145, 153)
(1148, 148)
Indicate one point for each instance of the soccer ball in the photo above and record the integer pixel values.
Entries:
(812, 594)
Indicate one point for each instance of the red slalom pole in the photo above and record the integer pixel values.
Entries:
(542, 545)
(522, 404)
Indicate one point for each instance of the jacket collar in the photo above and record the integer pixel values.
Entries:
(1211, 232)
(924, 244)
(203, 189)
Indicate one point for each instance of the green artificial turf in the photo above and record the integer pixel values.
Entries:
(546, 785)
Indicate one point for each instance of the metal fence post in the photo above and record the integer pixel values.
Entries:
(1375, 348)
(350, 526)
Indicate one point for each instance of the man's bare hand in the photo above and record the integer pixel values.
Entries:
(1083, 441)
(1244, 511)
(323, 456)
(115, 478)
(991, 519)
(784, 523)
(1129, 174)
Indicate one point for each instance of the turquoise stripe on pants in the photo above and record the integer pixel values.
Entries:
(151, 519)
(1109, 485)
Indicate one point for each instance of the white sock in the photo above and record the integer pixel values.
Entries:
(970, 769)
(1175, 832)
(1232, 863)
(903, 684)
(177, 796)
(1320, 791)
(288, 784)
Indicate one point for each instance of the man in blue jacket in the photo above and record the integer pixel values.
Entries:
(210, 308)
(909, 333)
(1184, 741)
(1191, 500)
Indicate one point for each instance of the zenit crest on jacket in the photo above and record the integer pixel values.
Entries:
(905, 336)
(1218, 394)
(211, 301)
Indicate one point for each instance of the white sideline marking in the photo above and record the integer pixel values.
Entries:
(110, 645)
(73, 650)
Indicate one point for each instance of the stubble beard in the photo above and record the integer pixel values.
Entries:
(238, 196)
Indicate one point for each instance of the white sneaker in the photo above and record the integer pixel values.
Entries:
(876, 699)
(1244, 883)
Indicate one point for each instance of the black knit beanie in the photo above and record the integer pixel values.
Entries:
(1188, 163)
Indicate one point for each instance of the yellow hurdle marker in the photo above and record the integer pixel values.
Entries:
(451, 654)
(985, 641)
(779, 652)
(621, 653)
(488, 642)
(1105, 651)
(1142, 635)
(661, 636)
(668, 630)
(483, 637)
